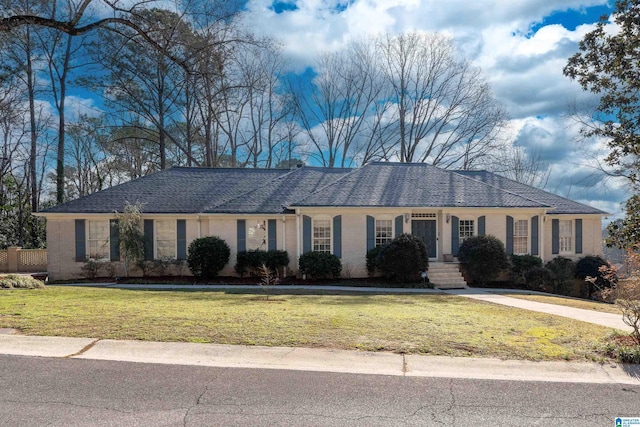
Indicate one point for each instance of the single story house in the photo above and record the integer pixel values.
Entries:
(342, 211)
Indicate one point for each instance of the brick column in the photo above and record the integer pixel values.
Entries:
(12, 258)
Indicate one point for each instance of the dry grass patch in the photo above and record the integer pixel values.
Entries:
(424, 324)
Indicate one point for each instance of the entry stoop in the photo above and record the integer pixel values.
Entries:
(446, 275)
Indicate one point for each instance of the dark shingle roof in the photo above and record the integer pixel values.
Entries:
(175, 190)
(272, 191)
(412, 185)
(561, 205)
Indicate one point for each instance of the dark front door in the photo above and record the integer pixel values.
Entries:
(426, 230)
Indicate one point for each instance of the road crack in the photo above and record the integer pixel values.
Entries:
(83, 350)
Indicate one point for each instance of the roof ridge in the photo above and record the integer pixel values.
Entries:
(242, 194)
(457, 172)
(540, 189)
(294, 202)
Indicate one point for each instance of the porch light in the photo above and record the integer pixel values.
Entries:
(406, 218)
(448, 218)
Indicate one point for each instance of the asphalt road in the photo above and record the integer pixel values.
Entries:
(40, 391)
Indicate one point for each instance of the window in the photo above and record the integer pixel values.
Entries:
(384, 231)
(257, 236)
(99, 240)
(322, 235)
(566, 235)
(466, 229)
(521, 236)
(165, 239)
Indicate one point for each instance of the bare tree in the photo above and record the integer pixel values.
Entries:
(443, 111)
(334, 107)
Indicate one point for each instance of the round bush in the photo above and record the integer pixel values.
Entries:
(403, 259)
(563, 270)
(537, 277)
(589, 266)
(207, 256)
(320, 265)
(520, 264)
(251, 261)
(484, 258)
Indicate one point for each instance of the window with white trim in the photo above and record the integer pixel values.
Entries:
(256, 235)
(384, 231)
(322, 235)
(165, 239)
(98, 240)
(466, 229)
(521, 236)
(566, 236)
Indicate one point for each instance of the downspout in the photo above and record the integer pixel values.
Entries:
(298, 243)
(541, 230)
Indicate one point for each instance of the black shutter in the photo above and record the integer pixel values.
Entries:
(272, 230)
(241, 235)
(114, 240)
(482, 226)
(578, 236)
(371, 232)
(555, 236)
(455, 235)
(337, 236)
(535, 235)
(81, 243)
(399, 228)
(306, 234)
(181, 239)
(509, 235)
(148, 239)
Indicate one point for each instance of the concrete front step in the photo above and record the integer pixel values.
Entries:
(446, 276)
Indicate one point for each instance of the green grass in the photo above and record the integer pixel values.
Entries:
(569, 302)
(423, 324)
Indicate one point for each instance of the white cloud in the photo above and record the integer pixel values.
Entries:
(523, 66)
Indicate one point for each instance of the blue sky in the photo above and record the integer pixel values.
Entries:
(521, 46)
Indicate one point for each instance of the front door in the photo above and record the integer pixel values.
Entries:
(426, 230)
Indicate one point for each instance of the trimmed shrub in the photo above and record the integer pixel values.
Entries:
(403, 259)
(484, 258)
(207, 256)
(563, 270)
(589, 266)
(320, 265)
(520, 264)
(251, 261)
(537, 277)
(16, 281)
(372, 260)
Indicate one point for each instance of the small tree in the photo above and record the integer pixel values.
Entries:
(132, 242)
(484, 258)
(267, 279)
(207, 256)
(403, 259)
(589, 266)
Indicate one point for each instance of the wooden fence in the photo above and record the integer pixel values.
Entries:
(18, 260)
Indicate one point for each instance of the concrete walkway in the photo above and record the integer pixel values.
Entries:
(321, 360)
(591, 316)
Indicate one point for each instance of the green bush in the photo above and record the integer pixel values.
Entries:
(403, 259)
(320, 265)
(372, 260)
(207, 256)
(537, 277)
(563, 270)
(520, 264)
(484, 258)
(251, 261)
(16, 281)
(589, 266)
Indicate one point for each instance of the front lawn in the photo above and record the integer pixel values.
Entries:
(426, 324)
